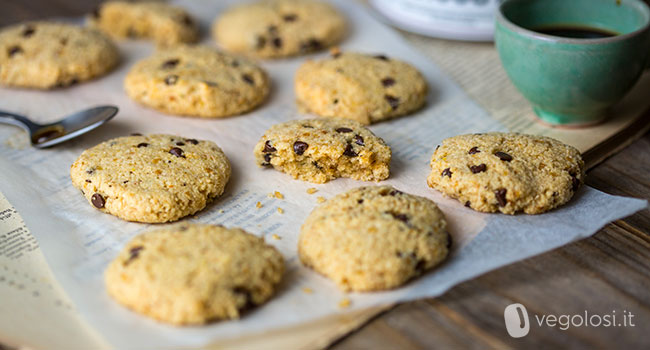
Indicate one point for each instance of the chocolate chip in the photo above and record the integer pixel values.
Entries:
(260, 42)
(210, 83)
(171, 79)
(63, 41)
(360, 201)
(501, 196)
(192, 141)
(349, 151)
(268, 148)
(179, 143)
(267, 159)
(187, 20)
(143, 144)
(392, 101)
(394, 192)
(28, 31)
(272, 29)
(381, 57)
(277, 42)
(300, 147)
(446, 172)
(88, 181)
(474, 150)
(14, 50)
(336, 100)
(503, 156)
(450, 241)
(311, 45)
(478, 168)
(133, 254)
(307, 126)
(575, 183)
(248, 79)
(290, 17)
(90, 171)
(468, 204)
(169, 64)
(315, 164)
(388, 82)
(97, 200)
(343, 130)
(359, 140)
(136, 134)
(177, 152)
(400, 217)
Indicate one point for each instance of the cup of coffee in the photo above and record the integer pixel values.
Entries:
(573, 59)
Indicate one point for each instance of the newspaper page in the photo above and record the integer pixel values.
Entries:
(78, 241)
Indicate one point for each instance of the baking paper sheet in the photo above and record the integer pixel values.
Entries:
(78, 241)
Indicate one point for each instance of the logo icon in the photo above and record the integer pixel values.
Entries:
(516, 318)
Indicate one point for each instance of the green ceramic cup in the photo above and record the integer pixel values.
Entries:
(573, 81)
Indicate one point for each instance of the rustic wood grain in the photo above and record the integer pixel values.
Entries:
(610, 270)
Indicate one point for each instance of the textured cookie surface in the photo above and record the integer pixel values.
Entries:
(279, 28)
(192, 274)
(319, 150)
(197, 81)
(362, 87)
(47, 55)
(374, 238)
(508, 173)
(163, 23)
(155, 178)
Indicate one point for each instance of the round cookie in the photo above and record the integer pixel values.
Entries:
(46, 55)
(319, 150)
(154, 178)
(279, 28)
(197, 81)
(362, 87)
(507, 172)
(374, 238)
(191, 274)
(163, 23)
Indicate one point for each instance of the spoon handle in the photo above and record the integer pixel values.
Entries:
(17, 120)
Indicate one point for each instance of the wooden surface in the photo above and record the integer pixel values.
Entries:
(609, 271)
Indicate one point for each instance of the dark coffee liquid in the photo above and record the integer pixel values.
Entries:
(577, 32)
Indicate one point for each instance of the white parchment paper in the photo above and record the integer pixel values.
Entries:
(78, 241)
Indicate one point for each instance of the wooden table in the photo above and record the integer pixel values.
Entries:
(609, 271)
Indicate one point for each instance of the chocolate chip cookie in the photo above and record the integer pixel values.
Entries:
(191, 274)
(163, 23)
(154, 178)
(507, 172)
(46, 55)
(197, 81)
(319, 150)
(279, 28)
(374, 238)
(365, 88)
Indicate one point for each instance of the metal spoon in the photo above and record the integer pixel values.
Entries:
(43, 136)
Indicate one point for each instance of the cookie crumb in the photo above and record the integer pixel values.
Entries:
(321, 199)
(221, 211)
(280, 210)
(344, 303)
(276, 237)
(278, 195)
(258, 205)
(312, 190)
(307, 290)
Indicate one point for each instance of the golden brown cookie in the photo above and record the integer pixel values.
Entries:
(374, 238)
(192, 274)
(507, 172)
(361, 87)
(47, 55)
(197, 81)
(163, 23)
(319, 150)
(154, 178)
(279, 28)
